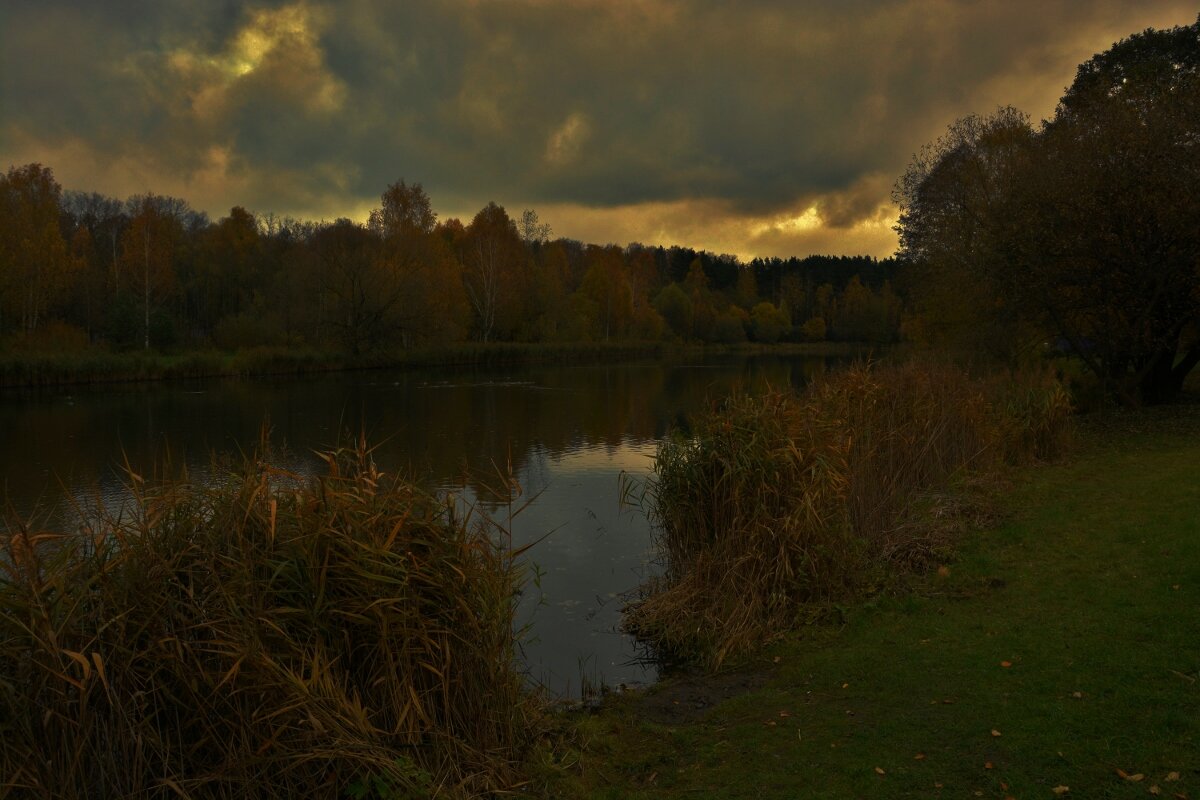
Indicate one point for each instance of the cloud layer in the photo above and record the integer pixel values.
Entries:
(759, 128)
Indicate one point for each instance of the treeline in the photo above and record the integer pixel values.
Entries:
(80, 270)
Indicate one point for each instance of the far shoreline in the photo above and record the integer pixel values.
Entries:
(34, 370)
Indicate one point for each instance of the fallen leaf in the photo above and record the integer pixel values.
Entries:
(1122, 773)
(777, 659)
(995, 732)
(987, 765)
(1172, 776)
(1004, 786)
(919, 757)
(652, 778)
(845, 686)
(785, 713)
(1155, 790)
(1061, 789)
(937, 786)
(879, 771)
(1006, 664)
(770, 723)
(1138, 777)
(943, 571)
(1077, 695)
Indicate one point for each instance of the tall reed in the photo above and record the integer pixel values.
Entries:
(267, 636)
(778, 502)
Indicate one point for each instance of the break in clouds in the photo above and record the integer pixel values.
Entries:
(757, 128)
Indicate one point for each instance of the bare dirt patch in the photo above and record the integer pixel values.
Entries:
(688, 698)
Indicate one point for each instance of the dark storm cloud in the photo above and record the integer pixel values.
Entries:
(740, 116)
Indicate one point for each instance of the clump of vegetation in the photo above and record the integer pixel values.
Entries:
(265, 636)
(779, 502)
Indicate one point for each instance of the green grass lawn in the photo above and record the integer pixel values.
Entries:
(1061, 650)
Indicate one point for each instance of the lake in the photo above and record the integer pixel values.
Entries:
(566, 432)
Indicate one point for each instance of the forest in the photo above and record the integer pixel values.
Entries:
(82, 270)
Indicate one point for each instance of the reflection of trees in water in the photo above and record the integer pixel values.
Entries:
(435, 426)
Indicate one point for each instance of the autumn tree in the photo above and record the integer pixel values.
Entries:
(149, 251)
(354, 289)
(1083, 231)
(951, 207)
(1113, 204)
(495, 267)
(862, 315)
(745, 292)
(404, 210)
(675, 307)
(35, 265)
(430, 302)
(549, 312)
(768, 322)
(228, 281)
(645, 281)
(533, 231)
(302, 304)
(606, 284)
(704, 310)
(96, 224)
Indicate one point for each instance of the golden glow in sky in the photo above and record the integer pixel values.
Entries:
(757, 128)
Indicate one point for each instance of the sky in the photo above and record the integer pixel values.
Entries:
(758, 128)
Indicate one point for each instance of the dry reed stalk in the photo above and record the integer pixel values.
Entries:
(264, 637)
(783, 501)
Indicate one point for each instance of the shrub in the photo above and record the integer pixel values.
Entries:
(769, 323)
(730, 327)
(813, 330)
(266, 636)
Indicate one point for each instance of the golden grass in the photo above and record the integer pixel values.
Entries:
(781, 502)
(267, 636)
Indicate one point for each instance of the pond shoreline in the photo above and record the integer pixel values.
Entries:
(37, 370)
(1004, 674)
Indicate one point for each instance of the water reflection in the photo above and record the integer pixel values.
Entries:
(566, 433)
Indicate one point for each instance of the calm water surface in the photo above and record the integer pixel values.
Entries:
(567, 431)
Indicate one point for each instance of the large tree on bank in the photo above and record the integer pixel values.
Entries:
(1084, 230)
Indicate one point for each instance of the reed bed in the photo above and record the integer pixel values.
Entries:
(777, 504)
(267, 636)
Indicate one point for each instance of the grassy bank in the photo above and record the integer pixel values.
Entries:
(263, 636)
(1060, 649)
(774, 507)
